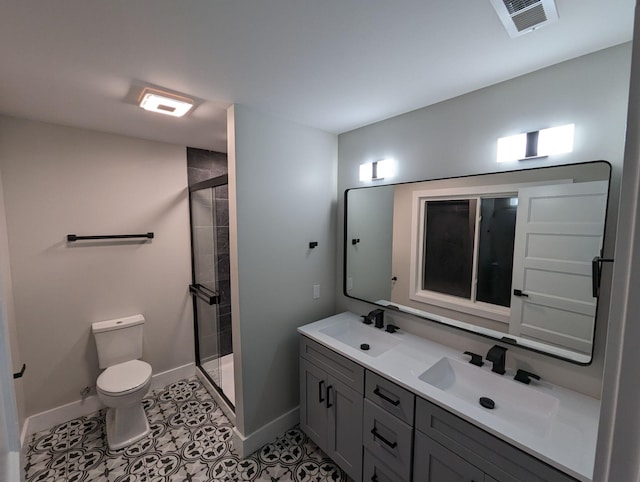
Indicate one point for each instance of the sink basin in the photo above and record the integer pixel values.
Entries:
(515, 403)
(354, 334)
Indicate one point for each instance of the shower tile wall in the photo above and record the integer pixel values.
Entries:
(223, 267)
(203, 165)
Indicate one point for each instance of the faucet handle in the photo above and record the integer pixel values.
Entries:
(366, 319)
(391, 328)
(525, 376)
(475, 359)
(497, 355)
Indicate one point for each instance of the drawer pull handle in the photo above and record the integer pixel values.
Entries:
(329, 404)
(320, 399)
(375, 434)
(384, 397)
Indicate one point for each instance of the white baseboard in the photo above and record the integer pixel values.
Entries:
(50, 418)
(162, 379)
(246, 445)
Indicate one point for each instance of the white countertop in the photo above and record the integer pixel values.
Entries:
(570, 442)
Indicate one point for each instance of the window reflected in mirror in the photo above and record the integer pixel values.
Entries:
(505, 254)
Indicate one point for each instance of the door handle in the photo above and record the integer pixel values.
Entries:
(205, 294)
(384, 397)
(320, 399)
(596, 273)
(375, 434)
(520, 293)
(329, 404)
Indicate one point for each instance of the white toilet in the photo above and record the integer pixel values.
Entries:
(126, 380)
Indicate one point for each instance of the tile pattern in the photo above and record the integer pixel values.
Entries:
(190, 440)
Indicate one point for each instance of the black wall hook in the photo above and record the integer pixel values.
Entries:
(355, 241)
(20, 373)
(313, 244)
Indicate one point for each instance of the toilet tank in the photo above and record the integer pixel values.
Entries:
(118, 340)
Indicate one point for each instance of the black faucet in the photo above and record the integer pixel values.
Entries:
(497, 356)
(377, 316)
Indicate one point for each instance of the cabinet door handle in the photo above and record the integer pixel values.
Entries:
(375, 434)
(374, 478)
(384, 397)
(329, 404)
(320, 399)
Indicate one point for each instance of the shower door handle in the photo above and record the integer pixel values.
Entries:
(204, 293)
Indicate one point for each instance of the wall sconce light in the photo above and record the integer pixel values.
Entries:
(377, 170)
(536, 144)
(164, 103)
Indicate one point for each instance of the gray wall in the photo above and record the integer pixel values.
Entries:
(458, 137)
(59, 180)
(282, 196)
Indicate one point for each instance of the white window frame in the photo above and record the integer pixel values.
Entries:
(469, 306)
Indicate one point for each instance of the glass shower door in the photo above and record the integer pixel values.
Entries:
(210, 288)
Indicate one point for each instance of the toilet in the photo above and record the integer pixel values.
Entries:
(125, 380)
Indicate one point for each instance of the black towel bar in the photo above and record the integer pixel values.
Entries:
(73, 237)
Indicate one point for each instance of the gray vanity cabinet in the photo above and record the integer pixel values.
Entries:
(331, 404)
(378, 431)
(387, 429)
(434, 463)
(446, 445)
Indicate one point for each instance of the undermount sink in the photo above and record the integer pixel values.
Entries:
(355, 334)
(515, 402)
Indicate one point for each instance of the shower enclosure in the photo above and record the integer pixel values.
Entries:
(210, 286)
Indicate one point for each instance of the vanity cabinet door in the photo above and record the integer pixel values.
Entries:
(313, 403)
(434, 463)
(497, 458)
(344, 427)
(331, 415)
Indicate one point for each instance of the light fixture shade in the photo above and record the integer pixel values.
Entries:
(366, 170)
(377, 170)
(386, 168)
(536, 144)
(556, 140)
(512, 148)
(163, 103)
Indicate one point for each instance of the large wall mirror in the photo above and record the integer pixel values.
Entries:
(507, 255)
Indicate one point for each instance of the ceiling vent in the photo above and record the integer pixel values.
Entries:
(524, 16)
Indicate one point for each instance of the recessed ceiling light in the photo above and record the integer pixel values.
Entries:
(165, 103)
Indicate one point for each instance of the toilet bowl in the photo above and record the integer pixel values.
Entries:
(121, 388)
(125, 380)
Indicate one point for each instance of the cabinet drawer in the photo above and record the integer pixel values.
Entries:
(391, 397)
(388, 439)
(495, 457)
(335, 365)
(434, 463)
(374, 470)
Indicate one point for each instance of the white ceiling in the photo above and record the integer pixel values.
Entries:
(331, 64)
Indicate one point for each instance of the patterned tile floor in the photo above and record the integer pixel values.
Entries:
(190, 440)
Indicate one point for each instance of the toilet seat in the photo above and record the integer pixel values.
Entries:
(124, 378)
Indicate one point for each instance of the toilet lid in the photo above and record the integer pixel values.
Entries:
(124, 376)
